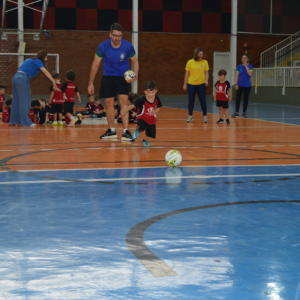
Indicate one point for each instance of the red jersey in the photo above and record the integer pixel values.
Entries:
(58, 97)
(69, 89)
(222, 90)
(6, 115)
(97, 108)
(2, 99)
(145, 108)
(89, 107)
(31, 115)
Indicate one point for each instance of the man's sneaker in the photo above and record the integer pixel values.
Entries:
(235, 115)
(109, 134)
(205, 119)
(244, 116)
(227, 121)
(61, 123)
(190, 119)
(135, 135)
(54, 123)
(220, 121)
(146, 144)
(72, 122)
(126, 136)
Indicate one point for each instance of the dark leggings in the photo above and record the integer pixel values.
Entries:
(239, 92)
(201, 90)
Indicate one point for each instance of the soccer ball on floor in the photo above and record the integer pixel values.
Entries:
(173, 158)
(129, 75)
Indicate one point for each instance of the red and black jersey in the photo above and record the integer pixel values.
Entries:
(6, 115)
(222, 90)
(2, 99)
(69, 89)
(145, 108)
(58, 97)
(31, 114)
(97, 108)
(89, 107)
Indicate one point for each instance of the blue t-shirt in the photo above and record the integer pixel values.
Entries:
(31, 67)
(244, 78)
(115, 60)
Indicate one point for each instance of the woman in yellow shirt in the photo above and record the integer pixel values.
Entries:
(196, 80)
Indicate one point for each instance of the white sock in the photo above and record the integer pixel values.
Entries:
(124, 130)
(113, 129)
(72, 118)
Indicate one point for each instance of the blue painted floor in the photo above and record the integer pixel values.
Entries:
(66, 239)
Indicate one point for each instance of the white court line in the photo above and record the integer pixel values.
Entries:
(164, 167)
(27, 150)
(277, 145)
(238, 146)
(258, 146)
(48, 149)
(219, 146)
(153, 178)
(5, 150)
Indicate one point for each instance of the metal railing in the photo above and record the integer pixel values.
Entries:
(268, 57)
(276, 77)
(288, 55)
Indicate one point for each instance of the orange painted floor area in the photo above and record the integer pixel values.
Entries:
(243, 142)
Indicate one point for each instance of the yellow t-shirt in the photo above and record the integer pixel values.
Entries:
(197, 71)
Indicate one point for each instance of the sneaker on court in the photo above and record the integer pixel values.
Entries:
(61, 123)
(54, 123)
(244, 116)
(205, 119)
(235, 115)
(72, 122)
(126, 136)
(227, 121)
(146, 144)
(220, 121)
(135, 135)
(109, 134)
(190, 119)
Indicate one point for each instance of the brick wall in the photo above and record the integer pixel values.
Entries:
(162, 56)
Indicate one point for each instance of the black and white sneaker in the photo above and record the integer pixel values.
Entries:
(220, 121)
(227, 121)
(109, 134)
(126, 136)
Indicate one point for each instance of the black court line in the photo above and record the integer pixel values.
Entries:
(157, 267)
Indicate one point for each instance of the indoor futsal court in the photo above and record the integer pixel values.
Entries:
(110, 220)
(86, 215)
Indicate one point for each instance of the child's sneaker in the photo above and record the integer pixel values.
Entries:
(235, 115)
(135, 135)
(244, 116)
(54, 123)
(205, 119)
(146, 144)
(220, 121)
(72, 122)
(61, 123)
(190, 119)
(227, 121)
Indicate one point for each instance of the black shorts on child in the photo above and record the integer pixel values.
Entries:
(221, 103)
(56, 108)
(150, 129)
(68, 107)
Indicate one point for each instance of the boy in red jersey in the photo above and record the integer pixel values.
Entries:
(2, 99)
(69, 89)
(88, 107)
(56, 101)
(222, 95)
(35, 106)
(147, 107)
(6, 111)
(98, 110)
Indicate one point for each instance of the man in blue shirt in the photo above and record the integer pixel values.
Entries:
(115, 53)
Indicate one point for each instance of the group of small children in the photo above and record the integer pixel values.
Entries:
(5, 112)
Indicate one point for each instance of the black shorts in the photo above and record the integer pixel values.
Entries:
(68, 107)
(56, 108)
(150, 129)
(221, 103)
(111, 86)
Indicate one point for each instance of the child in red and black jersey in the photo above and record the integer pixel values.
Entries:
(33, 113)
(222, 95)
(2, 99)
(88, 107)
(69, 89)
(98, 110)
(56, 101)
(147, 107)
(43, 113)
(6, 111)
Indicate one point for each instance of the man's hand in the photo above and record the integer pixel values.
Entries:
(91, 89)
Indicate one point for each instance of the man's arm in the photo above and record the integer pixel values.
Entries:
(135, 68)
(94, 69)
